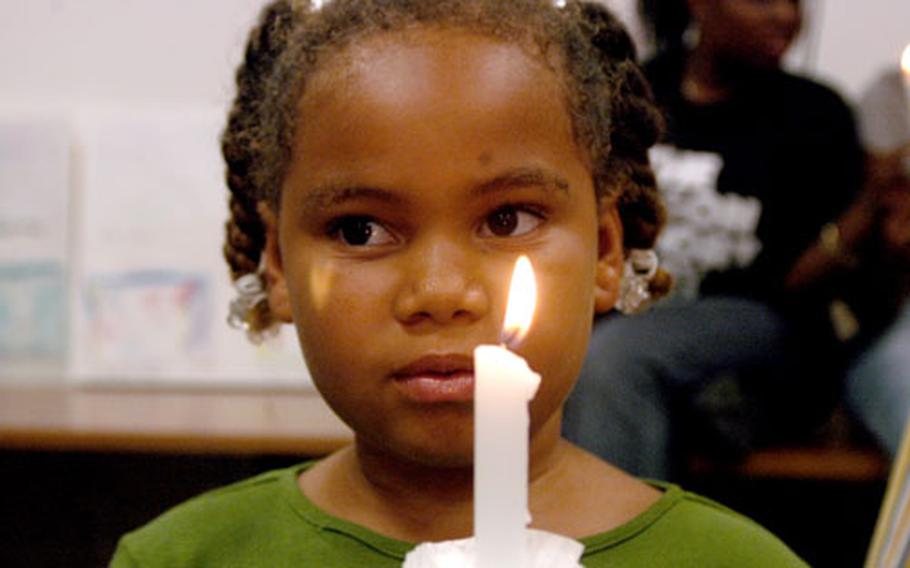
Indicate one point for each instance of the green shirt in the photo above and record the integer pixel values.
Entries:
(267, 521)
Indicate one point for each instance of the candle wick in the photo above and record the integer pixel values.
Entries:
(509, 338)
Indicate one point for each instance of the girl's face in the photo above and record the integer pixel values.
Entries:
(424, 165)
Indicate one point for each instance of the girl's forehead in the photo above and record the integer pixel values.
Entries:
(429, 104)
(410, 60)
(438, 74)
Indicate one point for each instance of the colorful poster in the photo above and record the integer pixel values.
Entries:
(34, 213)
(151, 287)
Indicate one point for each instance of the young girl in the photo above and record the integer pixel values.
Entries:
(388, 162)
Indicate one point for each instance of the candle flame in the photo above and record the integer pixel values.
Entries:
(522, 301)
(905, 60)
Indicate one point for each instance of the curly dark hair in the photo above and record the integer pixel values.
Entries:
(611, 105)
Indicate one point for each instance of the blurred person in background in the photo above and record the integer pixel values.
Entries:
(773, 230)
(878, 381)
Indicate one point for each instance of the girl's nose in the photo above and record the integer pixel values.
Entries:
(440, 287)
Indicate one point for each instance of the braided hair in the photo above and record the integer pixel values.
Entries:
(610, 103)
(242, 148)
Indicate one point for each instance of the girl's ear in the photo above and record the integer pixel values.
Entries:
(276, 284)
(610, 256)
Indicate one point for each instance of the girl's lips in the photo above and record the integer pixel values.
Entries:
(437, 378)
(455, 387)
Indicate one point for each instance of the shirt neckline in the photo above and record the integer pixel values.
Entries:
(398, 549)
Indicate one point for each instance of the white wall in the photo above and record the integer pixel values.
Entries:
(72, 52)
(859, 40)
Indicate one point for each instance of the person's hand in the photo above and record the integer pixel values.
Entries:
(889, 170)
(879, 216)
(895, 226)
(889, 176)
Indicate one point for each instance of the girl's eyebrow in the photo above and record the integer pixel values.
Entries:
(332, 195)
(523, 177)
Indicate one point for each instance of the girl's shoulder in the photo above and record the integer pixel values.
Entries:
(262, 521)
(204, 523)
(685, 529)
(665, 525)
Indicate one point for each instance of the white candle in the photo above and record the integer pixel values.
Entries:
(503, 386)
(905, 73)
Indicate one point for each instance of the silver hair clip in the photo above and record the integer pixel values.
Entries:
(250, 294)
(639, 269)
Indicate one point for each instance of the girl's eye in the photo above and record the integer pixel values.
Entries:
(511, 221)
(358, 231)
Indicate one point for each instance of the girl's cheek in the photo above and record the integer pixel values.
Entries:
(322, 278)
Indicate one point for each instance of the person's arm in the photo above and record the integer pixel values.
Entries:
(878, 213)
(835, 250)
(895, 228)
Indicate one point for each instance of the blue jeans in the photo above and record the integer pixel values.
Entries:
(878, 383)
(637, 367)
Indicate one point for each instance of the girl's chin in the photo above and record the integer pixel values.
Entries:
(411, 454)
(447, 461)
(438, 454)
(445, 457)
